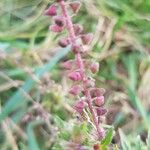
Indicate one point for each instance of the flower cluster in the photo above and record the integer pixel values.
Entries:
(91, 98)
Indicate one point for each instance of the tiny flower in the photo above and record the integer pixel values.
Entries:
(78, 29)
(99, 101)
(75, 90)
(96, 92)
(55, 28)
(75, 76)
(94, 67)
(59, 21)
(63, 42)
(68, 64)
(91, 96)
(51, 11)
(86, 38)
(100, 111)
(75, 6)
(79, 106)
(90, 82)
(76, 48)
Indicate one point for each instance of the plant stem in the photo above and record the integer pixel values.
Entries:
(80, 64)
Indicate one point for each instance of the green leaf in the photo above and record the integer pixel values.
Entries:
(108, 138)
(59, 122)
(132, 71)
(19, 99)
(124, 141)
(57, 146)
(32, 143)
(65, 135)
(138, 143)
(148, 141)
(139, 106)
(22, 146)
(130, 63)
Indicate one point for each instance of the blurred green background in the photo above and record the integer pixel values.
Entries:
(34, 102)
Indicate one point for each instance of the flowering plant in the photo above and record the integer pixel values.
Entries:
(90, 98)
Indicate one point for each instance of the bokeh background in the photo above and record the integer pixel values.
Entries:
(28, 93)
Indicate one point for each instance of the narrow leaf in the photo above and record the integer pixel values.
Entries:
(32, 143)
(20, 98)
(107, 140)
(124, 141)
(148, 141)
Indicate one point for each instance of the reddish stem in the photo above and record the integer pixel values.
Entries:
(80, 64)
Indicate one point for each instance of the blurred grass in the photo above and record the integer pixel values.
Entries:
(19, 98)
(121, 44)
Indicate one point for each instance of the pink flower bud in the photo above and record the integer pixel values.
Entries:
(75, 90)
(79, 106)
(75, 6)
(68, 64)
(76, 48)
(59, 21)
(51, 11)
(86, 38)
(94, 67)
(90, 82)
(99, 101)
(96, 92)
(75, 76)
(55, 28)
(63, 42)
(101, 111)
(78, 29)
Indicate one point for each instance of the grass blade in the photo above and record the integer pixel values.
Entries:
(19, 98)
(107, 140)
(32, 143)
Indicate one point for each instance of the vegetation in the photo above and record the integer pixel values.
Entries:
(36, 110)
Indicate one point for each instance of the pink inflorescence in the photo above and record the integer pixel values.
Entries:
(91, 97)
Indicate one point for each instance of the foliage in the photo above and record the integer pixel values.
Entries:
(35, 106)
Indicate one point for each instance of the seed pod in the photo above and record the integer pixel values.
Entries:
(75, 76)
(75, 6)
(56, 28)
(75, 90)
(63, 42)
(59, 21)
(99, 101)
(86, 38)
(51, 11)
(68, 64)
(79, 106)
(94, 67)
(90, 82)
(78, 29)
(76, 48)
(100, 111)
(96, 92)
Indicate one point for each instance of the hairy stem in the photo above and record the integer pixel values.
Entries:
(80, 64)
